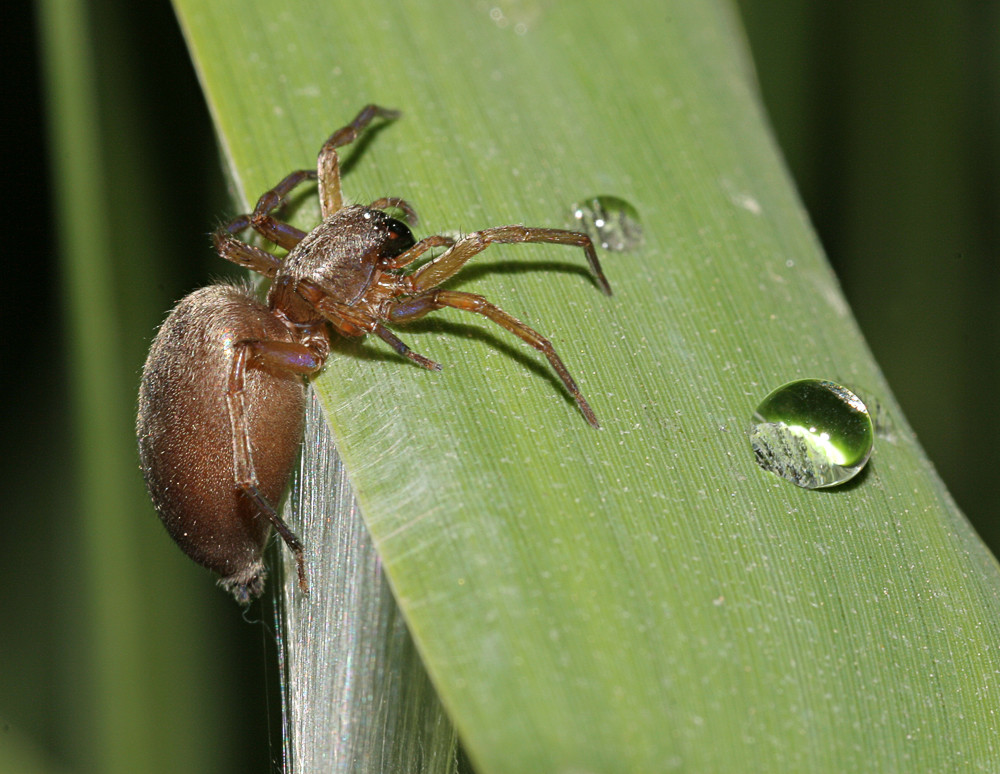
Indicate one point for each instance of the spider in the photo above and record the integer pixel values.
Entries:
(222, 397)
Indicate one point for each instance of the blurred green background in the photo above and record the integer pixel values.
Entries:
(889, 115)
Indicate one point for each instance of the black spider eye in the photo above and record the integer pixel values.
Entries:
(398, 237)
(398, 230)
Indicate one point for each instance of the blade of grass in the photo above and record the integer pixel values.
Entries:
(112, 561)
(642, 597)
(356, 695)
(112, 729)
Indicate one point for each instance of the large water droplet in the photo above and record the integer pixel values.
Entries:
(611, 222)
(813, 433)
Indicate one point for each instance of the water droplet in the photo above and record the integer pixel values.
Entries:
(611, 222)
(813, 433)
(882, 420)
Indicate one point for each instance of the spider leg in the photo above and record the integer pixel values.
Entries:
(261, 220)
(328, 162)
(281, 355)
(353, 323)
(407, 257)
(265, 224)
(393, 341)
(242, 254)
(406, 309)
(433, 273)
(394, 202)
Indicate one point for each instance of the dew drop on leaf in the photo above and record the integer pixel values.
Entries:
(611, 222)
(812, 432)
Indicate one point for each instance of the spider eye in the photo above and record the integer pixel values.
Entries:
(398, 238)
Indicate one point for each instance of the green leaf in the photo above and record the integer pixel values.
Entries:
(97, 578)
(96, 559)
(643, 597)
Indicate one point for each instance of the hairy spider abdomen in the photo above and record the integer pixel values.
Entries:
(185, 431)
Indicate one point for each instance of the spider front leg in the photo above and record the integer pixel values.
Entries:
(328, 162)
(436, 271)
(261, 220)
(327, 172)
(242, 254)
(406, 309)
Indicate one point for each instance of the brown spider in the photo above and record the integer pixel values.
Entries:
(222, 398)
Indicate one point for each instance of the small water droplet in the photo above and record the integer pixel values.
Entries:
(885, 425)
(813, 433)
(611, 222)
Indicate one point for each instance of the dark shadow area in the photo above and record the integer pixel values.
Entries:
(353, 153)
(373, 350)
(489, 265)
